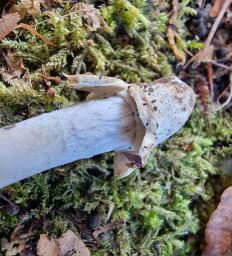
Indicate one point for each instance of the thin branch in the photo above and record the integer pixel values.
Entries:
(220, 65)
(198, 58)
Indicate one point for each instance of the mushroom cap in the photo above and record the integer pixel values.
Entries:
(163, 107)
(160, 109)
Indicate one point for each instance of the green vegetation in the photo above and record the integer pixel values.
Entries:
(166, 204)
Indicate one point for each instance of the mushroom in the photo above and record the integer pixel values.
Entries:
(127, 118)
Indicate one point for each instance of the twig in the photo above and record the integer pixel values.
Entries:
(225, 104)
(210, 78)
(220, 65)
(171, 34)
(35, 33)
(197, 59)
(226, 4)
(100, 230)
(222, 94)
(112, 206)
(14, 209)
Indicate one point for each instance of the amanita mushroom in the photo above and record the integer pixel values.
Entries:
(128, 119)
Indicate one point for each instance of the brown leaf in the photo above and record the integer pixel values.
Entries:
(70, 244)
(12, 248)
(27, 8)
(46, 247)
(15, 74)
(14, 64)
(8, 23)
(51, 92)
(90, 15)
(218, 233)
(21, 247)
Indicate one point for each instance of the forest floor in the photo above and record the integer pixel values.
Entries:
(160, 210)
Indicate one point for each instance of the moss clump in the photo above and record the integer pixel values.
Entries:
(129, 43)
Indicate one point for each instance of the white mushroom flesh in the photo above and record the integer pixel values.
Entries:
(129, 119)
(64, 136)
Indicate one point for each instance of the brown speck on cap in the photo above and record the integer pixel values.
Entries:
(155, 108)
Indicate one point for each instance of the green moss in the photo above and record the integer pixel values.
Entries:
(163, 205)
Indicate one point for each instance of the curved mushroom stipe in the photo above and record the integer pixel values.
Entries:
(160, 110)
(129, 119)
(63, 136)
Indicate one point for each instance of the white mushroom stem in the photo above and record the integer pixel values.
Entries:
(63, 136)
(130, 119)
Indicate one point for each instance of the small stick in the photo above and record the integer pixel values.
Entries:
(197, 59)
(100, 230)
(220, 65)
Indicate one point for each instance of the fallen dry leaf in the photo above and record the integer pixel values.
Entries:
(218, 233)
(12, 248)
(70, 244)
(46, 247)
(21, 247)
(8, 23)
(15, 64)
(67, 245)
(90, 15)
(27, 8)
(15, 74)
